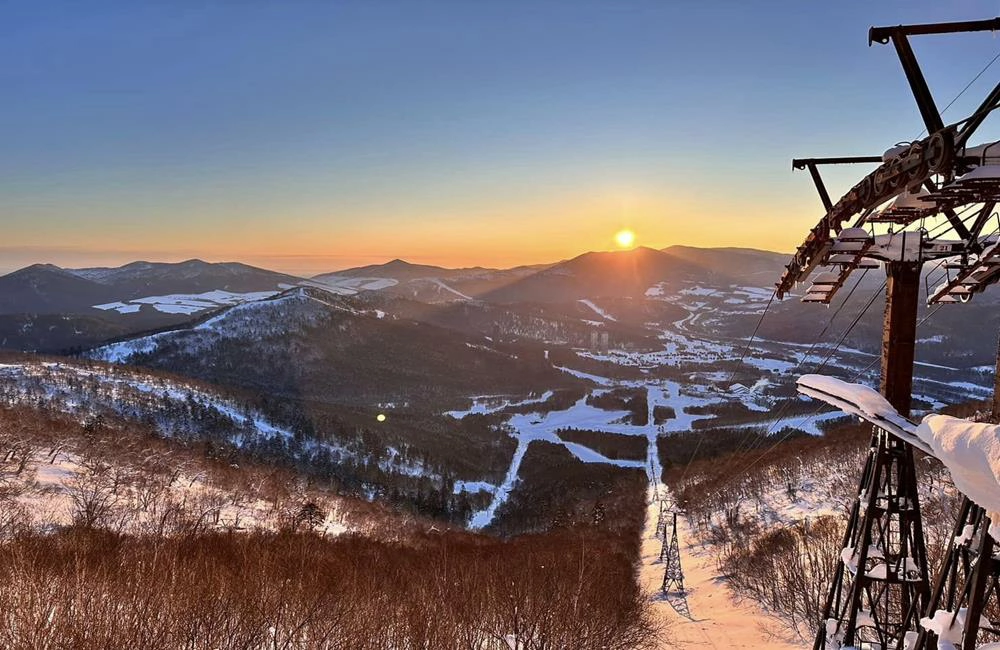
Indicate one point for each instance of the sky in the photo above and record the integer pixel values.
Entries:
(309, 136)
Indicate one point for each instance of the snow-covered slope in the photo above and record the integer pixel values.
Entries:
(259, 318)
(309, 344)
(185, 303)
(178, 409)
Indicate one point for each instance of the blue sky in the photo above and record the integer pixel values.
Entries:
(315, 135)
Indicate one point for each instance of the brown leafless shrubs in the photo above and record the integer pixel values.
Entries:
(786, 569)
(92, 589)
(153, 560)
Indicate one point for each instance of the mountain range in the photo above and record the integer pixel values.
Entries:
(449, 374)
(51, 309)
(49, 289)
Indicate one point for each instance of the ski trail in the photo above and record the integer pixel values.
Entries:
(483, 518)
(597, 310)
(531, 428)
(585, 454)
(718, 619)
(447, 288)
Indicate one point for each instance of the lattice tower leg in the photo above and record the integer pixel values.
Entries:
(881, 577)
(966, 597)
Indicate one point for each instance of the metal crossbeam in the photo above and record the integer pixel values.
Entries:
(940, 155)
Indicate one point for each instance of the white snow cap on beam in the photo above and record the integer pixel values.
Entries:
(853, 235)
(971, 452)
(989, 149)
(856, 399)
(911, 200)
(979, 174)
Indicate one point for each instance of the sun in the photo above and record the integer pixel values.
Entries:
(625, 238)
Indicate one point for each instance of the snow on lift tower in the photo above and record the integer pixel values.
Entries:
(963, 609)
(929, 200)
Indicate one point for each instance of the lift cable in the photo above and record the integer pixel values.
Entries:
(784, 406)
(857, 319)
(792, 430)
(967, 86)
(832, 318)
(781, 417)
(945, 225)
(920, 322)
(739, 362)
(746, 348)
(746, 437)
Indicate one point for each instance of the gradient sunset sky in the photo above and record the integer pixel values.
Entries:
(309, 136)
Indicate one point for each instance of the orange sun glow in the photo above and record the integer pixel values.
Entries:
(625, 238)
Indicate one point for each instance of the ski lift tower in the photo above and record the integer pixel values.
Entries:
(928, 201)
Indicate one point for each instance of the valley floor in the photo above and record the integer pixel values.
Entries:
(716, 620)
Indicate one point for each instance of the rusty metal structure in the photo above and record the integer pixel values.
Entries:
(670, 555)
(966, 596)
(661, 520)
(881, 588)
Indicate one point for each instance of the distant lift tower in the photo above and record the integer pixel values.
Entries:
(670, 555)
(894, 218)
(661, 520)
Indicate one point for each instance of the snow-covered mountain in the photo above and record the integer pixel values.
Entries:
(50, 309)
(598, 275)
(49, 289)
(625, 296)
(423, 283)
(309, 343)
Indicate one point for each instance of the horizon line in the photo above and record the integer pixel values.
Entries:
(291, 260)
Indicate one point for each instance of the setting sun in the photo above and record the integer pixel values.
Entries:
(624, 238)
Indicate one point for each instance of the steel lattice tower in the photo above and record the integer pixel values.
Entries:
(670, 555)
(966, 598)
(882, 575)
(661, 522)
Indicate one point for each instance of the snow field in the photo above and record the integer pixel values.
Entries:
(528, 428)
(186, 303)
(48, 489)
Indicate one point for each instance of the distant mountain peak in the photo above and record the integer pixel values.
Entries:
(397, 262)
(42, 266)
(40, 270)
(199, 264)
(639, 254)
